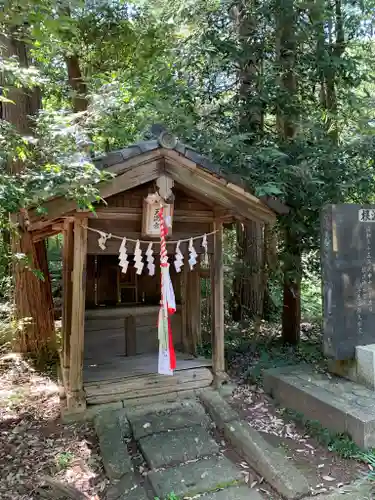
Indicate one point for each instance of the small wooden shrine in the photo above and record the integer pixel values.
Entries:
(112, 277)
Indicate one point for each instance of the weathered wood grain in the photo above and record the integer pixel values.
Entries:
(148, 385)
(75, 395)
(218, 296)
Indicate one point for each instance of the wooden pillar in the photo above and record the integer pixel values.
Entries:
(194, 294)
(217, 283)
(76, 398)
(67, 261)
(184, 305)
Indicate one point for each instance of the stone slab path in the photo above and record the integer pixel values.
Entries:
(178, 446)
(180, 451)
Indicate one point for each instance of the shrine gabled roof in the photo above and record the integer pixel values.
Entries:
(119, 156)
(145, 161)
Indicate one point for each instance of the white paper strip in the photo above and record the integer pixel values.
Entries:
(164, 363)
(150, 260)
(192, 255)
(205, 246)
(138, 264)
(123, 257)
(179, 258)
(103, 239)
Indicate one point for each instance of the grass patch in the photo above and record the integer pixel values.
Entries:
(64, 459)
(249, 352)
(340, 443)
(171, 496)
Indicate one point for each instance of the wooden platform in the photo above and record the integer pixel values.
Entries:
(134, 377)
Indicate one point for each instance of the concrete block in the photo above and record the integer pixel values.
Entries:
(234, 493)
(169, 448)
(365, 357)
(276, 469)
(167, 417)
(338, 404)
(196, 478)
(112, 428)
(261, 455)
(218, 409)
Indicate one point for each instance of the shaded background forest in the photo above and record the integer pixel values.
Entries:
(278, 92)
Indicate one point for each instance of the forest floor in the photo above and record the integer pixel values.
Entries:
(34, 443)
(328, 461)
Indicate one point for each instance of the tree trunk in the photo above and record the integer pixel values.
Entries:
(79, 98)
(33, 295)
(291, 317)
(248, 286)
(248, 283)
(287, 117)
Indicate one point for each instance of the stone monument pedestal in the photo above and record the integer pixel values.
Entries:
(360, 370)
(339, 405)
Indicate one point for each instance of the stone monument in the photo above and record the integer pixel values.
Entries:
(348, 278)
(345, 403)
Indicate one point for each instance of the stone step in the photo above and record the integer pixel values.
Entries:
(195, 478)
(167, 448)
(276, 469)
(234, 493)
(166, 417)
(112, 428)
(125, 486)
(338, 404)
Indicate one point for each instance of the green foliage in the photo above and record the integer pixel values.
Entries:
(64, 459)
(250, 353)
(368, 457)
(185, 65)
(171, 496)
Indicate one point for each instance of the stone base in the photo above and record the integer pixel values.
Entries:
(360, 370)
(338, 404)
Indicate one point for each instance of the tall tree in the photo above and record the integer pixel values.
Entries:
(249, 283)
(287, 123)
(32, 285)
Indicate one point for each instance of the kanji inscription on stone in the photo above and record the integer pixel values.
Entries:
(348, 278)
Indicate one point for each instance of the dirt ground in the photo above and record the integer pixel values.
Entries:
(324, 469)
(33, 441)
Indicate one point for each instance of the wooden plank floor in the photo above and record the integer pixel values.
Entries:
(121, 367)
(135, 377)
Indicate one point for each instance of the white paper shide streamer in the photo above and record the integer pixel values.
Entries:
(138, 263)
(192, 255)
(150, 260)
(179, 258)
(205, 246)
(123, 257)
(103, 237)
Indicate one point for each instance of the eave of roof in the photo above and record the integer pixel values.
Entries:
(119, 156)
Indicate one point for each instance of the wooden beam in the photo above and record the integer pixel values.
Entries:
(215, 190)
(67, 262)
(135, 214)
(195, 303)
(129, 179)
(184, 305)
(218, 360)
(76, 397)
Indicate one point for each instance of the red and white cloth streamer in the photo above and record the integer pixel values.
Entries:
(167, 356)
